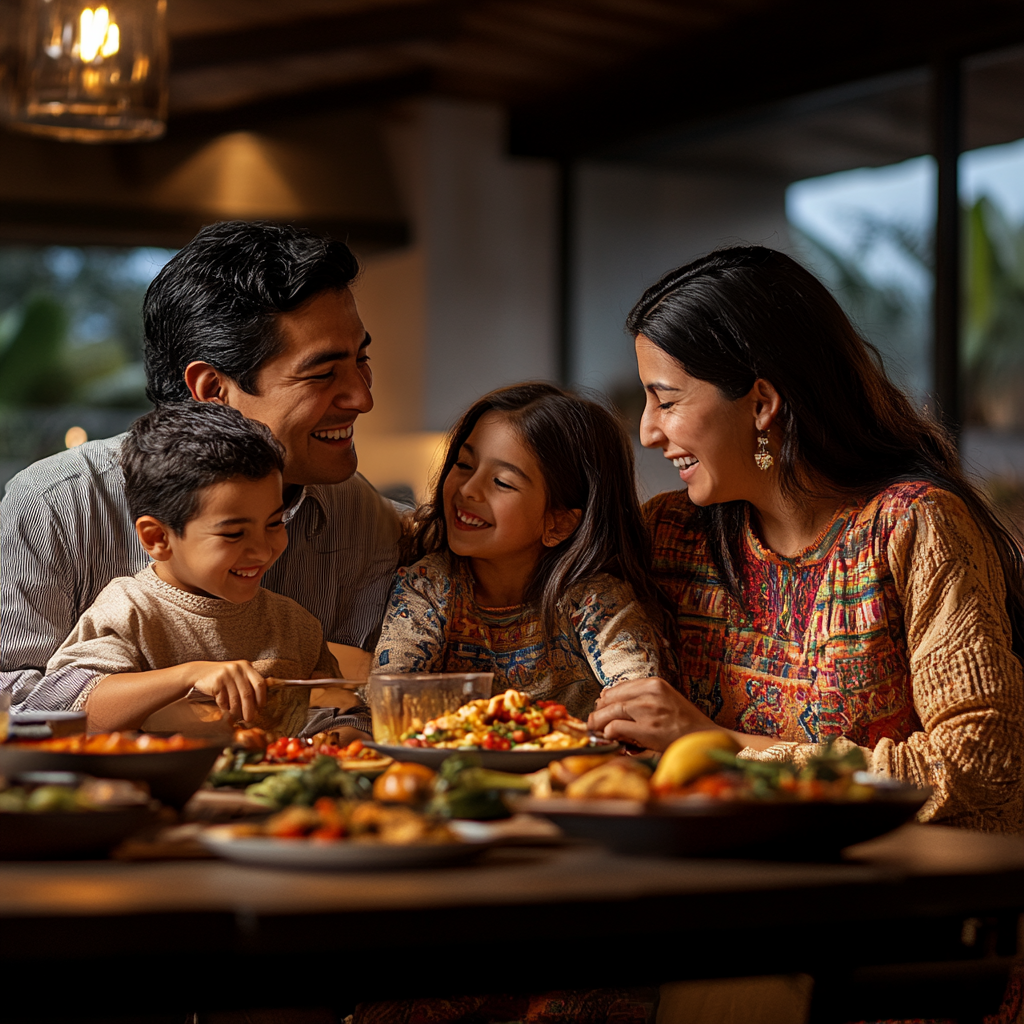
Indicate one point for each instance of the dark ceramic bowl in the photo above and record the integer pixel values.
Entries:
(68, 835)
(775, 830)
(172, 775)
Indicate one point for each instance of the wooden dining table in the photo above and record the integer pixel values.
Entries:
(923, 922)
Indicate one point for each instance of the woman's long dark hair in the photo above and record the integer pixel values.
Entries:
(587, 460)
(748, 312)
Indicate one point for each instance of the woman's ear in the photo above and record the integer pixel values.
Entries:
(559, 524)
(206, 383)
(155, 537)
(766, 401)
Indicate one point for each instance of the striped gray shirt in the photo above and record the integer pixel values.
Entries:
(65, 533)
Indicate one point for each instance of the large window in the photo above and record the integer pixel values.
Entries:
(70, 346)
(869, 234)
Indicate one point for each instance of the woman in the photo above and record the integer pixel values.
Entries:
(834, 572)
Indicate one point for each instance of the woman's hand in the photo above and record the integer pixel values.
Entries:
(647, 712)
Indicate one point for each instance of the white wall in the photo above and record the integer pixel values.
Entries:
(488, 226)
(634, 224)
(471, 304)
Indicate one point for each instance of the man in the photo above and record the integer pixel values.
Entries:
(260, 317)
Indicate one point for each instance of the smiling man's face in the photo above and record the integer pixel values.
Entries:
(311, 392)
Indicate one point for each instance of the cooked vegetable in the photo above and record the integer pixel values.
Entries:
(618, 779)
(465, 790)
(112, 743)
(508, 721)
(364, 822)
(90, 795)
(405, 783)
(305, 786)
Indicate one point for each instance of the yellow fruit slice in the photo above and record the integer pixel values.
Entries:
(687, 757)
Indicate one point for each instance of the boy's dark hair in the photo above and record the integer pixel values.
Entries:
(216, 301)
(587, 460)
(173, 452)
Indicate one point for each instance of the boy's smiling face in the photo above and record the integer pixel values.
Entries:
(225, 550)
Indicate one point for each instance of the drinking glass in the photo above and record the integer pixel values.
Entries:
(403, 702)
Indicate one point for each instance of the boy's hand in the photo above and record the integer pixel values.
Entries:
(236, 686)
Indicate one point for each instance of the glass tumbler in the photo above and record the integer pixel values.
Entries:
(403, 702)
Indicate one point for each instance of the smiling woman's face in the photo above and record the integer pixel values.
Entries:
(710, 439)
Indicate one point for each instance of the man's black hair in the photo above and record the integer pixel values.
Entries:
(217, 299)
(173, 452)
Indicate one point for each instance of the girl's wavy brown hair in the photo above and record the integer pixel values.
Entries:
(587, 461)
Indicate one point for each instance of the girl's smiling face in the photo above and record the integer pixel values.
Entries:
(495, 498)
(709, 439)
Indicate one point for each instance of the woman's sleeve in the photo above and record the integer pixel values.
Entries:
(413, 635)
(618, 639)
(968, 685)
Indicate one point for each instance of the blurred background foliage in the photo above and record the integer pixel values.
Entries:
(70, 344)
(897, 318)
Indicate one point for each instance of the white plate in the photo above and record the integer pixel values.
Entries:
(336, 855)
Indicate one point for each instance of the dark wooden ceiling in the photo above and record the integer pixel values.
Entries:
(579, 76)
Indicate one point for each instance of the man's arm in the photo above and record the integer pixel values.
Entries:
(65, 532)
(37, 609)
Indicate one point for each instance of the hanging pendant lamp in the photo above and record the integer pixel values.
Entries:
(92, 73)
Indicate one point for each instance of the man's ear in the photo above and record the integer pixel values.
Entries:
(766, 401)
(155, 537)
(559, 524)
(206, 383)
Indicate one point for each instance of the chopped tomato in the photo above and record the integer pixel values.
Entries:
(715, 785)
(554, 712)
(336, 830)
(519, 736)
(492, 741)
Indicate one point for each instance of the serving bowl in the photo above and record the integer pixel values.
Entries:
(172, 775)
(66, 834)
(810, 830)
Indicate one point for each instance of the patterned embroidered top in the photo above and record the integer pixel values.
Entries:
(889, 630)
(433, 624)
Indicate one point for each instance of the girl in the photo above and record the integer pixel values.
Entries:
(533, 559)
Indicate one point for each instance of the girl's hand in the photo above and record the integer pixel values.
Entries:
(239, 690)
(646, 712)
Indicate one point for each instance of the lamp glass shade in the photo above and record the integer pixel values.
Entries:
(92, 71)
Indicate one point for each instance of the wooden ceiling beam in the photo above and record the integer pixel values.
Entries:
(376, 26)
(767, 58)
(250, 116)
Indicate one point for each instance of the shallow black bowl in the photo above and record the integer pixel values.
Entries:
(69, 834)
(172, 775)
(782, 830)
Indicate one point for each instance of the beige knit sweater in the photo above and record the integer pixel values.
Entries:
(140, 623)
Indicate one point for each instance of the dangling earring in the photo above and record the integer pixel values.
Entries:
(762, 456)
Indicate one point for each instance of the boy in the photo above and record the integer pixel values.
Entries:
(204, 488)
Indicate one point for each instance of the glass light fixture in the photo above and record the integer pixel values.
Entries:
(92, 73)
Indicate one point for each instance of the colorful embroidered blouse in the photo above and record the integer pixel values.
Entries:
(433, 624)
(889, 630)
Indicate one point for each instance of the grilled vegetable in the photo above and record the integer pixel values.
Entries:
(305, 786)
(465, 790)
